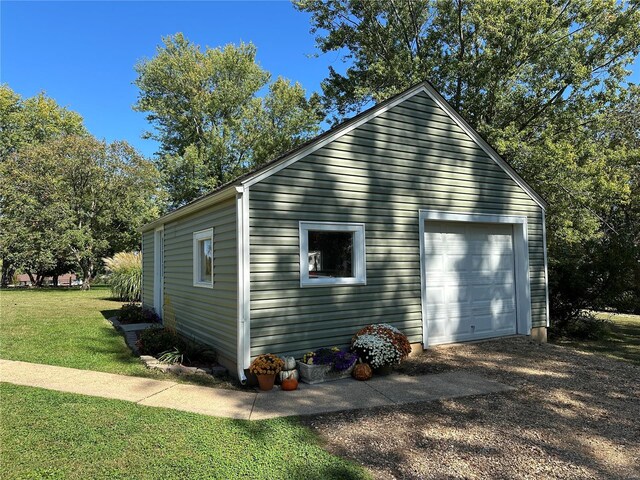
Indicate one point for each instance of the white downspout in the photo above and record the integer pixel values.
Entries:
(242, 225)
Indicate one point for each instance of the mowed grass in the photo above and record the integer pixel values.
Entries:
(64, 327)
(54, 435)
(68, 328)
(622, 343)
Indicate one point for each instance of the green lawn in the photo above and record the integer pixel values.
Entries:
(54, 435)
(48, 434)
(623, 343)
(66, 328)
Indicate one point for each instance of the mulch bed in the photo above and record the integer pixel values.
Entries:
(573, 416)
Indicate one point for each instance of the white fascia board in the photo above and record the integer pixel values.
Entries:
(374, 112)
(225, 193)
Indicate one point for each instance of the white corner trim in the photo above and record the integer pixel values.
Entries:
(158, 271)
(521, 257)
(206, 234)
(546, 270)
(359, 253)
(376, 111)
(243, 347)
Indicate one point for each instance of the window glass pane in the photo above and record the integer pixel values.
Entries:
(206, 260)
(330, 254)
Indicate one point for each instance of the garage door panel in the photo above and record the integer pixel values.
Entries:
(469, 281)
(478, 293)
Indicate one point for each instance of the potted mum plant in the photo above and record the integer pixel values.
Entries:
(382, 346)
(326, 364)
(266, 367)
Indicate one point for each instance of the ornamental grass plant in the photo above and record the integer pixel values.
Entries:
(125, 275)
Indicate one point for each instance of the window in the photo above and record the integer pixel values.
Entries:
(332, 254)
(203, 258)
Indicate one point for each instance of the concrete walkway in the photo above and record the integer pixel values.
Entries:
(346, 394)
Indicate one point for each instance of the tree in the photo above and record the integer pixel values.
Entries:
(207, 116)
(74, 198)
(25, 122)
(540, 80)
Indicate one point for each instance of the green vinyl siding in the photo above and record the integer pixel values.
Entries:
(381, 173)
(208, 315)
(147, 269)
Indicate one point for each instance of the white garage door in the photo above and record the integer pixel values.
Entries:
(469, 281)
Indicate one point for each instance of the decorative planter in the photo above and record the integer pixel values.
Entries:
(321, 373)
(266, 381)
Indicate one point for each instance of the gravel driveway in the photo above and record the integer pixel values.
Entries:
(573, 415)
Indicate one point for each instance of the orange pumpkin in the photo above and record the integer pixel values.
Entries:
(362, 371)
(289, 384)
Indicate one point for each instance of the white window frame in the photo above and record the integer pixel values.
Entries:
(197, 238)
(359, 264)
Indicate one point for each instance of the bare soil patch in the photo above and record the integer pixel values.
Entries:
(574, 415)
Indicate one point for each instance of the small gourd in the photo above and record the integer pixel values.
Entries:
(289, 384)
(289, 363)
(362, 371)
(288, 374)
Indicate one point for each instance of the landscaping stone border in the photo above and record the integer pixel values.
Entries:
(130, 332)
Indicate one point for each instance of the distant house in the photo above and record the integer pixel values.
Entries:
(403, 215)
(68, 279)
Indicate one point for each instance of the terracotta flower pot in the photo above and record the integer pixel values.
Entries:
(266, 381)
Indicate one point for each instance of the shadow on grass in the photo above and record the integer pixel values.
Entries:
(622, 343)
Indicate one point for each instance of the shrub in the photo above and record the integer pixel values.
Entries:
(134, 313)
(125, 275)
(584, 326)
(380, 345)
(154, 341)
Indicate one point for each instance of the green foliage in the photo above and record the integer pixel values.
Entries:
(125, 275)
(154, 341)
(171, 356)
(544, 82)
(134, 313)
(33, 120)
(583, 326)
(207, 116)
(24, 123)
(74, 198)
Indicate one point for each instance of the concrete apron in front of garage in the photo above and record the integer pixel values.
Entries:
(346, 394)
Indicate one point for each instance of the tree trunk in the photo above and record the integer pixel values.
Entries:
(32, 278)
(7, 273)
(54, 280)
(87, 271)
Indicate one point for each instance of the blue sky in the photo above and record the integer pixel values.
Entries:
(82, 53)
